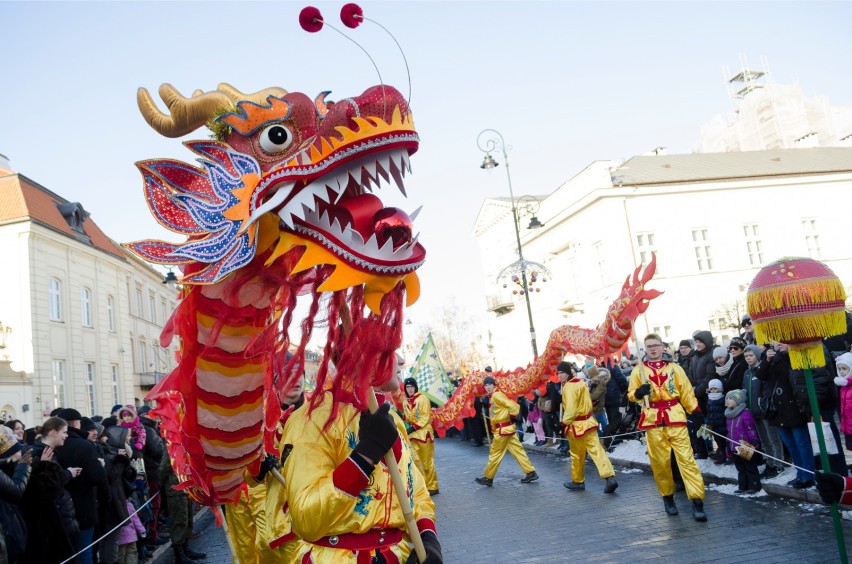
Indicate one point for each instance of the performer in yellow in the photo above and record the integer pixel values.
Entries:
(503, 413)
(661, 385)
(418, 418)
(581, 430)
(341, 498)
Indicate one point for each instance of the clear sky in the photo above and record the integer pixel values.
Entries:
(566, 83)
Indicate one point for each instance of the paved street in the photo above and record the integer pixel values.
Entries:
(514, 522)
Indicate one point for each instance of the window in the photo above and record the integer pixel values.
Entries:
(155, 358)
(754, 246)
(701, 243)
(721, 329)
(599, 257)
(163, 312)
(58, 383)
(664, 331)
(90, 387)
(55, 298)
(139, 308)
(152, 309)
(111, 313)
(809, 226)
(86, 307)
(116, 395)
(143, 357)
(645, 243)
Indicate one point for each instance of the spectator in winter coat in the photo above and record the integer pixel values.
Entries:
(715, 419)
(598, 381)
(701, 371)
(18, 429)
(14, 476)
(770, 440)
(783, 412)
(152, 455)
(734, 381)
(48, 508)
(723, 361)
(128, 419)
(552, 398)
(615, 400)
(748, 330)
(79, 452)
(129, 534)
(844, 374)
(741, 427)
(684, 354)
(826, 396)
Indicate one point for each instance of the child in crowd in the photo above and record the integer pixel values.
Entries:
(127, 418)
(844, 371)
(715, 420)
(742, 427)
(128, 535)
(535, 417)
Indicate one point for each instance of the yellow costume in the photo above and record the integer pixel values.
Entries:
(664, 419)
(343, 514)
(503, 411)
(418, 413)
(246, 525)
(581, 429)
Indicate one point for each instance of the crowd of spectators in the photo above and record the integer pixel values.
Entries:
(86, 490)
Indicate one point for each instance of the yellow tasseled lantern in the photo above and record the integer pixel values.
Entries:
(797, 301)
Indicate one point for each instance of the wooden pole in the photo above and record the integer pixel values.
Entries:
(823, 457)
(485, 424)
(639, 358)
(233, 550)
(399, 488)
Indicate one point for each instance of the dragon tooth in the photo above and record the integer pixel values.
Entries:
(413, 215)
(370, 168)
(271, 203)
(405, 160)
(383, 167)
(354, 236)
(285, 216)
(372, 245)
(397, 177)
(386, 252)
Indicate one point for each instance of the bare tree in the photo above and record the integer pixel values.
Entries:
(457, 334)
(730, 314)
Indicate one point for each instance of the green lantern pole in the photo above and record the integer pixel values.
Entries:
(823, 456)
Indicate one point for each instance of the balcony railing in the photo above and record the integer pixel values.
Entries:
(501, 305)
(150, 379)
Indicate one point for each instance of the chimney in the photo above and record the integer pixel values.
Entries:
(660, 151)
(4, 163)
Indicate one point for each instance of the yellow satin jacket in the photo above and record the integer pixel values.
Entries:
(330, 495)
(672, 396)
(502, 411)
(577, 407)
(418, 412)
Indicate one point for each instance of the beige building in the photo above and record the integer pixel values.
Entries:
(712, 219)
(80, 317)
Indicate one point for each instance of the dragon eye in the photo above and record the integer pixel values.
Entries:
(275, 139)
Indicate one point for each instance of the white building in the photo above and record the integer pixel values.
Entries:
(80, 317)
(712, 219)
(771, 116)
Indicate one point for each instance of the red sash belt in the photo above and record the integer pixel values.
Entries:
(504, 424)
(582, 417)
(371, 540)
(665, 404)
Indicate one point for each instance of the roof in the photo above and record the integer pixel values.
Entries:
(702, 167)
(21, 198)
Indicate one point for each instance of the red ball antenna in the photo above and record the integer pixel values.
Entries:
(351, 15)
(310, 19)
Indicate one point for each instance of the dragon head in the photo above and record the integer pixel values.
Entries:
(282, 171)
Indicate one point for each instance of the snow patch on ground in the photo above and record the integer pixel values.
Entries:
(729, 489)
(631, 471)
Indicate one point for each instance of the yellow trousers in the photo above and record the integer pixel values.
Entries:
(661, 442)
(499, 446)
(426, 462)
(579, 447)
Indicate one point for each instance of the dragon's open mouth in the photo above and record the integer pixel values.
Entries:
(340, 210)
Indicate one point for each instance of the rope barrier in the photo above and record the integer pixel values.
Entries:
(150, 499)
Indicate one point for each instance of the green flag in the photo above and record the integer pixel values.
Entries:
(429, 372)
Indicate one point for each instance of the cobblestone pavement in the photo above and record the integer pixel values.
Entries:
(544, 522)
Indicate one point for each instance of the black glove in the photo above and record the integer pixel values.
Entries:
(376, 434)
(513, 418)
(829, 486)
(697, 418)
(433, 550)
(270, 462)
(409, 428)
(642, 391)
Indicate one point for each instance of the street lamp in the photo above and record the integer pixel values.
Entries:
(490, 140)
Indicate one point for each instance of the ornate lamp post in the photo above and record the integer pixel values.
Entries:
(488, 141)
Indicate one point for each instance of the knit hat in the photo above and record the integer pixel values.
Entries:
(845, 359)
(144, 409)
(411, 382)
(9, 445)
(755, 349)
(746, 320)
(715, 383)
(489, 380)
(719, 352)
(739, 396)
(564, 367)
(737, 342)
(127, 409)
(115, 408)
(69, 414)
(592, 371)
(87, 424)
(685, 343)
(488, 369)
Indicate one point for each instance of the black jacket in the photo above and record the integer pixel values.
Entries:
(79, 452)
(154, 449)
(778, 389)
(826, 391)
(734, 379)
(49, 514)
(701, 371)
(12, 488)
(616, 388)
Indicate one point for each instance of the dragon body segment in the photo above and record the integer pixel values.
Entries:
(609, 337)
(285, 203)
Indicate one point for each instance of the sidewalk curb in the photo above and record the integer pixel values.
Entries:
(164, 548)
(809, 495)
